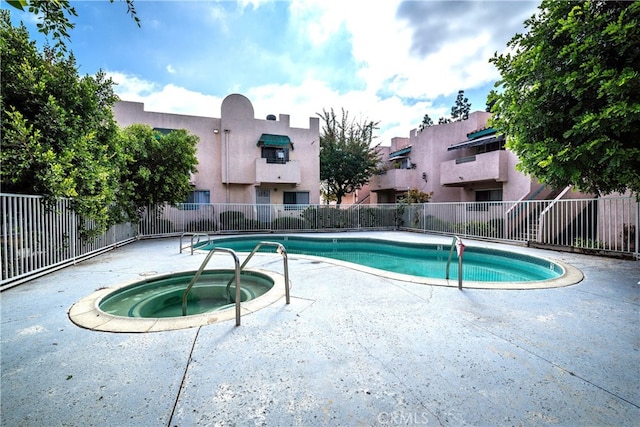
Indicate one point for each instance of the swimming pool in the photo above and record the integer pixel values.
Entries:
(420, 263)
(482, 265)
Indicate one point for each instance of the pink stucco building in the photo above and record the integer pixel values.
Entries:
(243, 159)
(463, 161)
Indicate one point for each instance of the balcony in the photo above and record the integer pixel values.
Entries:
(485, 167)
(393, 179)
(277, 173)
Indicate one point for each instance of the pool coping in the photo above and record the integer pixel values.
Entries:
(571, 275)
(87, 314)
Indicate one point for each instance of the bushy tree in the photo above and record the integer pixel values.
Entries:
(415, 196)
(59, 139)
(569, 99)
(157, 167)
(347, 157)
(58, 131)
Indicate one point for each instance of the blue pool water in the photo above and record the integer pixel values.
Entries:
(424, 260)
(162, 296)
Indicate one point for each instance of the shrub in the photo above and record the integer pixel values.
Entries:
(232, 220)
(376, 217)
(497, 224)
(204, 224)
(288, 223)
(436, 224)
(324, 217)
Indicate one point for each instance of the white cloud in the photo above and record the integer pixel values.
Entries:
(316, 20)
(404, 61)
(166, 99)
(218, 16)
(253, 3)
(299, 102)
(131, 86)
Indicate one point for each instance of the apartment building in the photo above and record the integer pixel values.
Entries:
(463, 161)
(242, 159)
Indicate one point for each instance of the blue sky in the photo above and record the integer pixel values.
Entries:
(388, 61)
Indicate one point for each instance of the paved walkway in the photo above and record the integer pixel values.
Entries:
(352, 349)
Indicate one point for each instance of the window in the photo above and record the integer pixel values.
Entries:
(405, 163)
(196, 198)
(485, 196)
(275, 148)
(494, 146)
(489, 195)
(401, 163)
(275, 154)
(295, 200)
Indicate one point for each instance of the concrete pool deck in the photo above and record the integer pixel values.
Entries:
(352, 348)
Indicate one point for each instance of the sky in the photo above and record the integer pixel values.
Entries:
(386, 61)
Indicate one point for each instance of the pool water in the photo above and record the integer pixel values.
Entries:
(424, 260)
(162, 297)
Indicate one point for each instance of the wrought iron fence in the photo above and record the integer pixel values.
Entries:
(228, 218)
(601, 225)
(36, 239)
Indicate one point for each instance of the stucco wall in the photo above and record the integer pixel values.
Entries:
(227, 150)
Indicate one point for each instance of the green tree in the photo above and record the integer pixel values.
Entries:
(415, 196)
(59, 139)
(491, 100)
(570, 95)
(347, 157)
(426, 122)
(157, 167)
(462, 107)
(58, 131)
(54, 18)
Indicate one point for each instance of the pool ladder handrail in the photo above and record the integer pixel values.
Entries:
(282, 251)
(193, 236)
(199, 272)
(456, 240)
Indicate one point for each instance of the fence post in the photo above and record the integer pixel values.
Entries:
(637, 230)
(424, 217)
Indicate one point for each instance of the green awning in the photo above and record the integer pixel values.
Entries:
(400, 154)
(269, 140)
(477, 142)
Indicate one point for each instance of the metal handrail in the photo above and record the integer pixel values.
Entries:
(193, 236)
(543, 214)
(282, 251)
(199, 272)
(456, 242)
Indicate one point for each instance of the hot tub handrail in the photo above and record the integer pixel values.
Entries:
(199, 272)
(281, 250)
(193, 236)
(456, 243)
